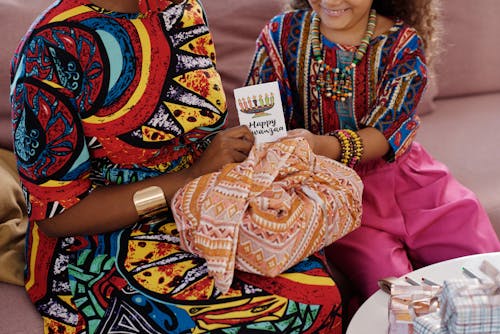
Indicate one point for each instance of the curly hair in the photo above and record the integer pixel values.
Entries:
(423, 15)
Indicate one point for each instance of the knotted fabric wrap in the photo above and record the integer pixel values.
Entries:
(266, 214)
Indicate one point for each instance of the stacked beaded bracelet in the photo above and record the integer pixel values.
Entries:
(351, 146)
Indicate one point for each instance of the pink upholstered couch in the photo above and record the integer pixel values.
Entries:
(461, 113)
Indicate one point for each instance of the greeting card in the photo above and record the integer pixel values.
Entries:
(259, 108)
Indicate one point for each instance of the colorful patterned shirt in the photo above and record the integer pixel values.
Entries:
(388, 82)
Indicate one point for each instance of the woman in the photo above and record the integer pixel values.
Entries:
(116, 105)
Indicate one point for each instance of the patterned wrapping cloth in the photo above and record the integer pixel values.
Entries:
(468, 306)
(266, 214)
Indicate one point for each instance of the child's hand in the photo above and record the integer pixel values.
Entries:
(327, 146)
(306, 134)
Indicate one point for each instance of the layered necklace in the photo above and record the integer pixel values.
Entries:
(337, 83)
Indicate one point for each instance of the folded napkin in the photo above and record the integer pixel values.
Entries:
(268, 213)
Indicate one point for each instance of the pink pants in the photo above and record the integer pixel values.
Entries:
(414, 214)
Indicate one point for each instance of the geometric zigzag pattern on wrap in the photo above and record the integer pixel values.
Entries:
(266, 214)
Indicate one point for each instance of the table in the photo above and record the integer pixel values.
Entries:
(372, 316)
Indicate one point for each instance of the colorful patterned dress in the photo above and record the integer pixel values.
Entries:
(414, 212)
(102, 98)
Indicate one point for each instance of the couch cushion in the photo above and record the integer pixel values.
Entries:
(18, 315)
(463, 133)
(16, 17)
(469, 64)
(235, 26)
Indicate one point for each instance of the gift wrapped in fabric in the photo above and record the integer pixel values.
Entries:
(429, 324)
(409, 302)
(269, 212)
(471, 306)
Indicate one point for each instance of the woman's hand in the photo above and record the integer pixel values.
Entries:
(230, 145)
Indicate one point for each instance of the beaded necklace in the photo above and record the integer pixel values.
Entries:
(335, 82)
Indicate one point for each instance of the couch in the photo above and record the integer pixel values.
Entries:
(460, 113)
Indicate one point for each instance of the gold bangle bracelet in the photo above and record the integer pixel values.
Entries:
(149, 202)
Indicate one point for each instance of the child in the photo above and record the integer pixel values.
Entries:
(351, 75)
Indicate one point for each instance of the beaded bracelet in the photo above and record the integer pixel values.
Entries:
(351, 146)
(345, 145)
(357, 148)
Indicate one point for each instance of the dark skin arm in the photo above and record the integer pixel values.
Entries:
(111, 208)
(374, 143)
